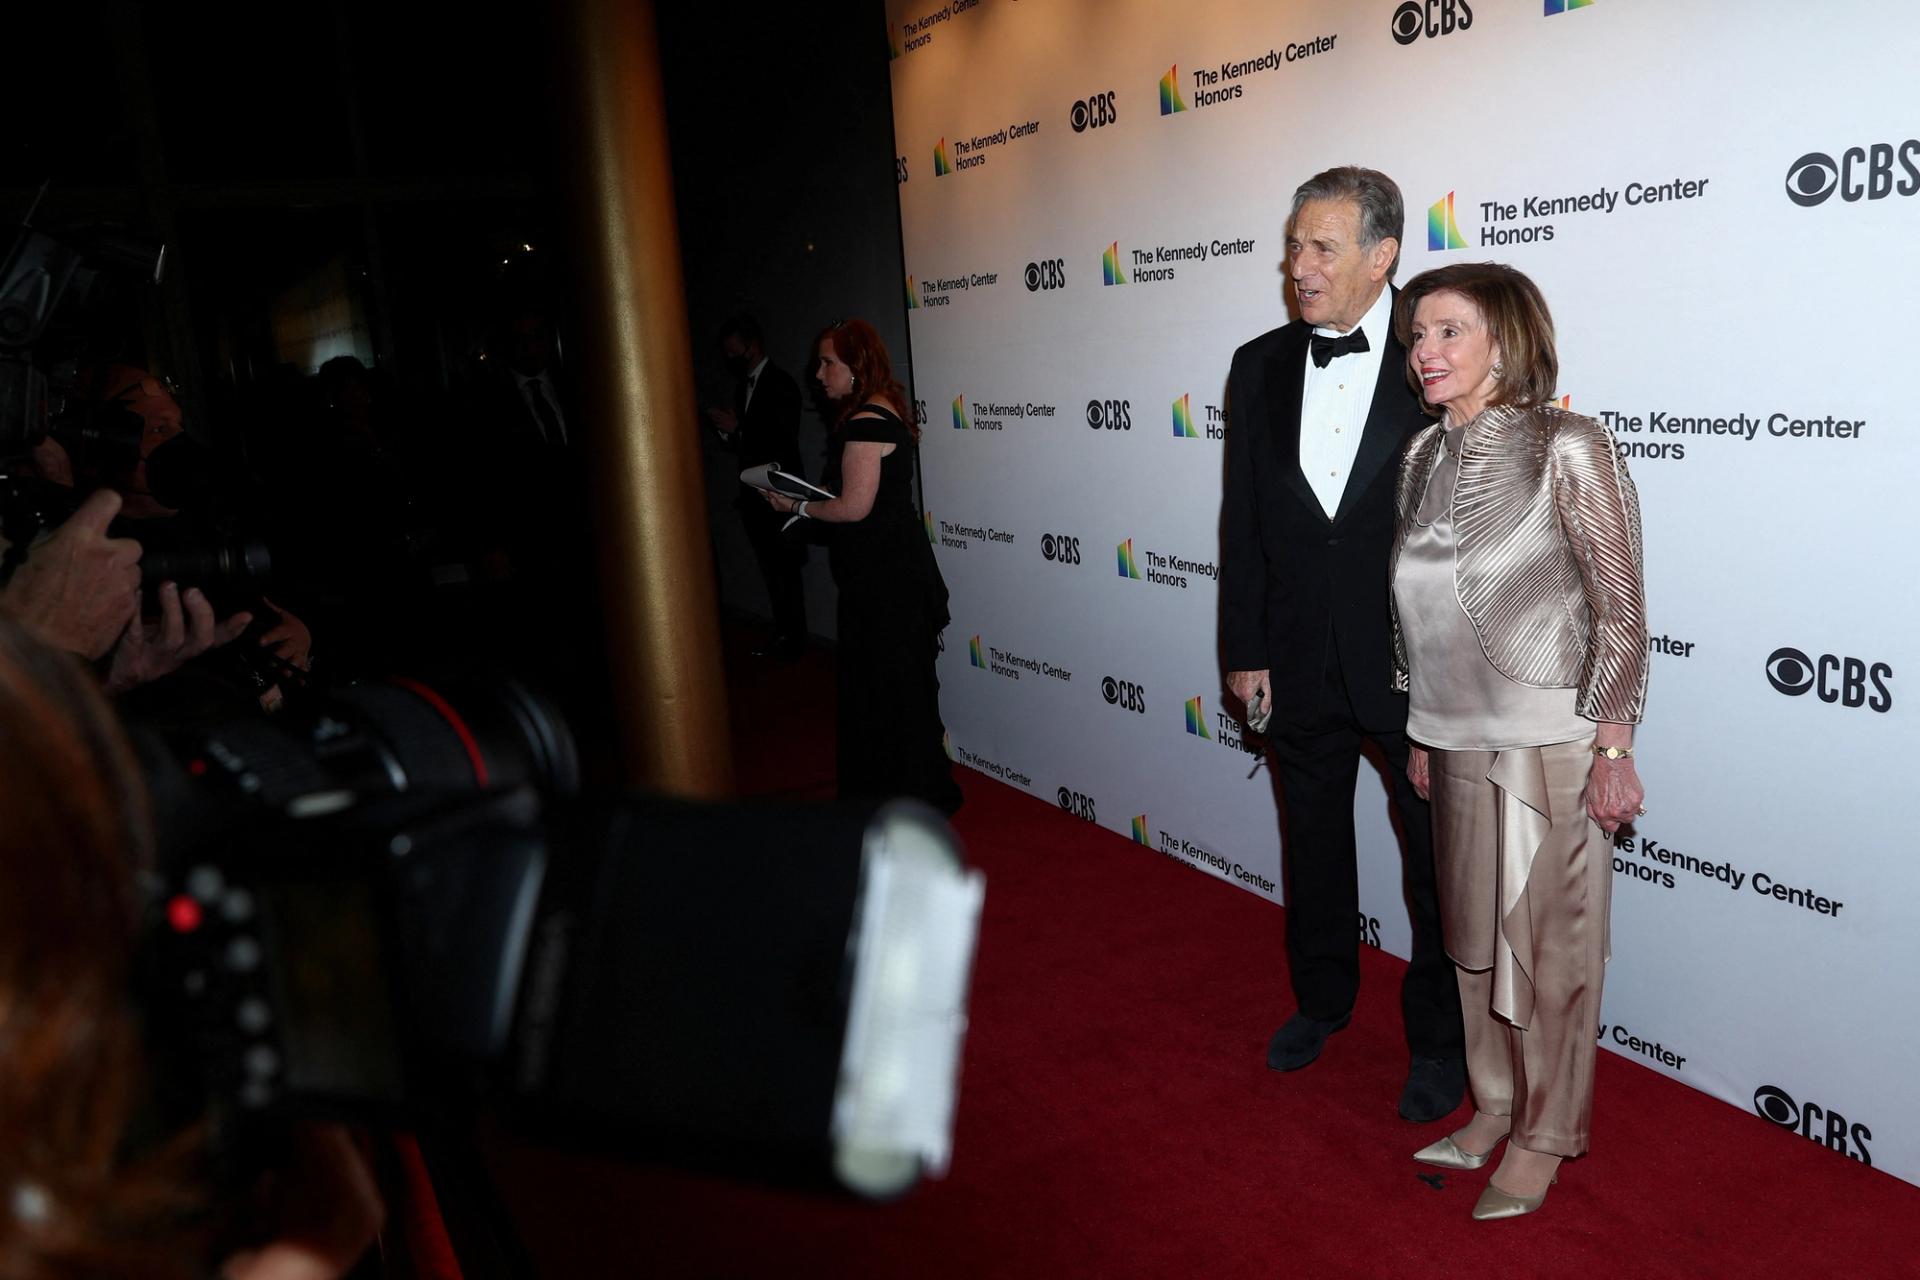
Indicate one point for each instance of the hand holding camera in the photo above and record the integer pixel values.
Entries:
(79, 588)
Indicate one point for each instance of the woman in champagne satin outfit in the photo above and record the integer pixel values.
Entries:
(1520, 629)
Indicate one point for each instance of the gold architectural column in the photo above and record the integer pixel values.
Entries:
(636, 370)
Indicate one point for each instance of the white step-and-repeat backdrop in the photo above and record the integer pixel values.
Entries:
(1722, 205)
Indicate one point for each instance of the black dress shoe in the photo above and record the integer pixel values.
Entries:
(1434, 1088)
(1298, 1042)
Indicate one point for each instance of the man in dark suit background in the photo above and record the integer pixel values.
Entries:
(1320, 410)
(522, 426)
(516, 500)
(764, 426)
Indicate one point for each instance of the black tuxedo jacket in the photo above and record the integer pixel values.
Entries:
(506, 437)
(769, 428)
(1298, 588)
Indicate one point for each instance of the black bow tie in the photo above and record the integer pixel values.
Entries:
(1324, 348)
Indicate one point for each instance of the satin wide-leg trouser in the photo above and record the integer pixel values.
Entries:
(1525, 880)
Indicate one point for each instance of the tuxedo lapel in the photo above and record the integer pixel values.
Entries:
(1286, 379)
(1390, 420)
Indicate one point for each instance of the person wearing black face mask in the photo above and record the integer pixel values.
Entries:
(764, 426)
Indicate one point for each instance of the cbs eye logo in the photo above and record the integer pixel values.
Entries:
(1811, 179)
(1861, 173)
(1078, 805)
(1093, 112)
(1048, 273)
(1851, 682)
(1790, 671)
(1060, 548)
(1110, 415)
(1124, 694)
(1772, 1103)
(1820, 1124)
(1416, 18)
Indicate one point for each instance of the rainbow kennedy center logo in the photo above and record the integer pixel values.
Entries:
(1183, 429)
(940, 166)
(1227, 731)
(1140, 835)
(1156, 265)
(1504, 220)
(927, 519)
(1561, 6)
(1166, 570)
(973, 654)
(1442, 231)
(1183, 419)
(960, 413)
(1170, 92)
(913, 303)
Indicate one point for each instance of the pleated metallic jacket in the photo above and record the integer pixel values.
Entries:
(1547, 560)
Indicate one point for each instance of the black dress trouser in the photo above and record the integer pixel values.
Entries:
(1317, 757)
(780, 559)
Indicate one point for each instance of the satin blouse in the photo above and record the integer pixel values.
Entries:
(1458, 700)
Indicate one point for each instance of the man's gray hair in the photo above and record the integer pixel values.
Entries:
(1382, 213)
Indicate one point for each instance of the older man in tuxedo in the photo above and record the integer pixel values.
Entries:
(1321, 409)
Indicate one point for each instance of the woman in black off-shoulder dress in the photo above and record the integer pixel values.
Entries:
(893, 602)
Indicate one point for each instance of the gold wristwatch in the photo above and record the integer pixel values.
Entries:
(1614, 753)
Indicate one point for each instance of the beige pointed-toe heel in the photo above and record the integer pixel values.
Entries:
(1495, 1203)
(1447, 1154)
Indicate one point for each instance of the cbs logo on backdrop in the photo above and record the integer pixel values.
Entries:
(1124, 694)
(1812, 1121)
(1431, 18)
(1110, 415)
(1093, 112)
(1047, 273)
(1851, 682)
(1871, 172)
(1080, 806)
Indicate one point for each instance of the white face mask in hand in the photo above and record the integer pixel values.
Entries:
(1258, 713)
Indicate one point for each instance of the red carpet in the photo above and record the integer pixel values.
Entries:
(1117, 1119)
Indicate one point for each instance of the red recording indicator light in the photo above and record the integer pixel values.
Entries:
(183, 913)
(197, 767)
